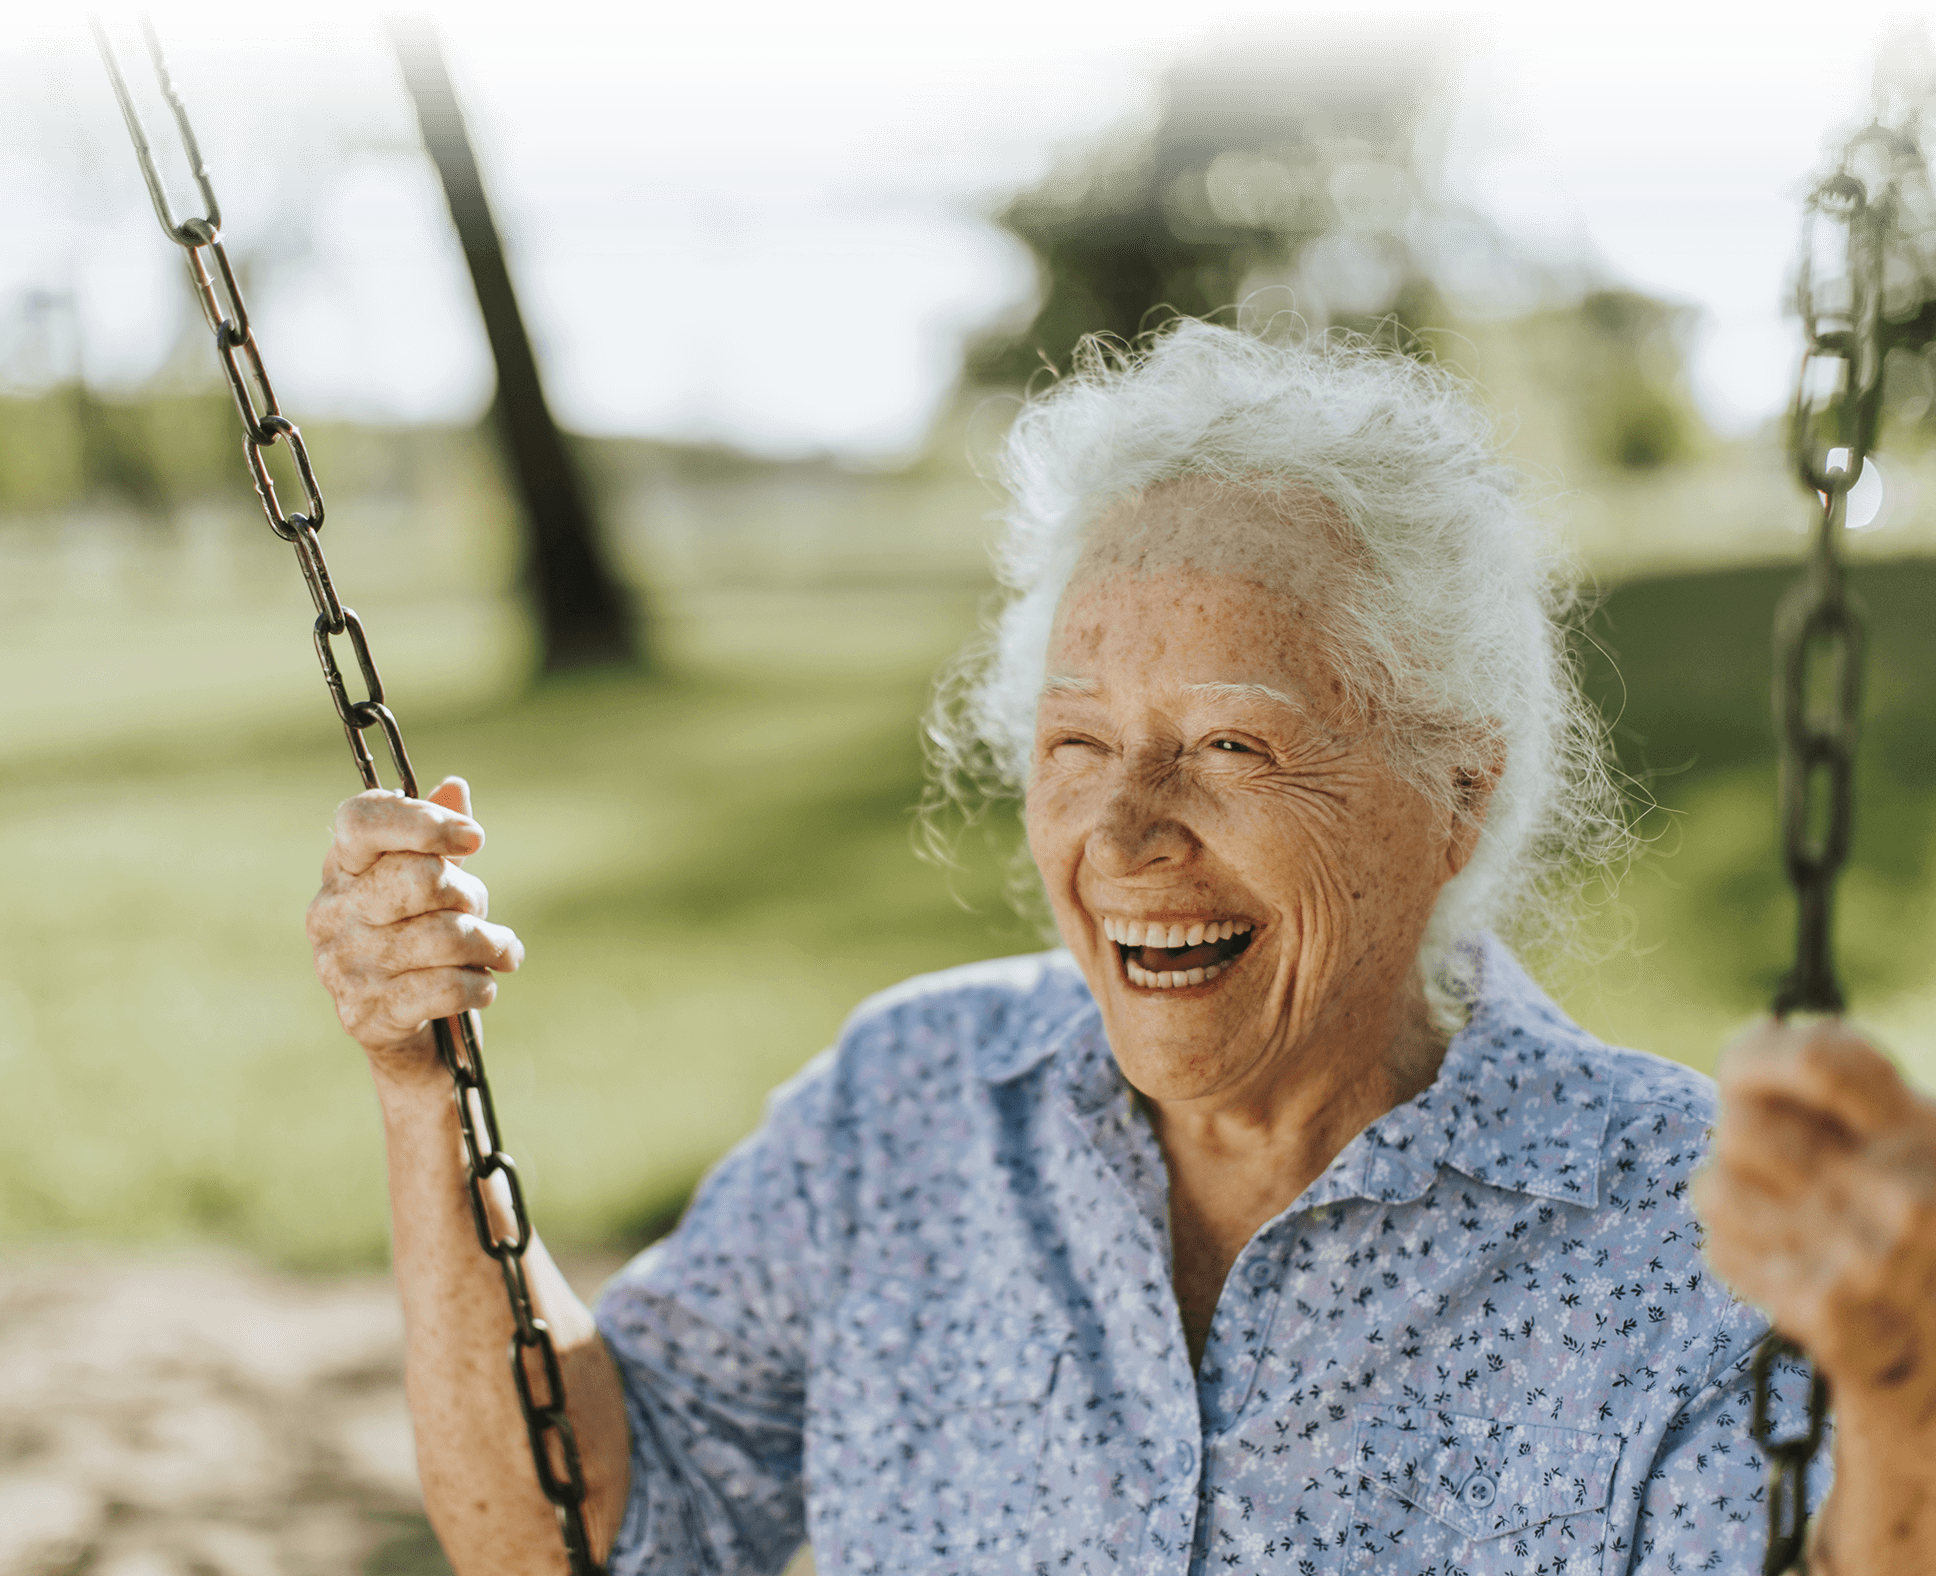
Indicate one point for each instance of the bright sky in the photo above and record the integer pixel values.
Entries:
(765, 223)
(1676, 153)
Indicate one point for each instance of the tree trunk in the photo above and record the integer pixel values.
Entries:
(585, 616)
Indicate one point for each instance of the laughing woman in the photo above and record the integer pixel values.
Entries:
(1276, 1221)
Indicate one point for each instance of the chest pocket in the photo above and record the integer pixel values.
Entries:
(926, 1417)
(1475, 1495)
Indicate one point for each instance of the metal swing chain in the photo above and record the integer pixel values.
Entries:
(497, 1207)
(1863, 289)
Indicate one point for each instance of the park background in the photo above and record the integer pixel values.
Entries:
(787, 278)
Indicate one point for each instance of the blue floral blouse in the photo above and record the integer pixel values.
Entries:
(924, 1319)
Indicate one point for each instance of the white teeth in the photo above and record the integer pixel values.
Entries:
(1156, 933)
(1172, 979)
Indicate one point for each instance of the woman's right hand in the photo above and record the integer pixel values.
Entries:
(399, 929)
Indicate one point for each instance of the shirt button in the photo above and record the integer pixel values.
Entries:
(1259, 1272)
(1479, 1491)
(1186, 1458)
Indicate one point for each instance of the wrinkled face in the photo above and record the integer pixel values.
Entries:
(1231, 859)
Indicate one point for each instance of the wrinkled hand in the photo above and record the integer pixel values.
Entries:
(399, 929)
(1820, 1207)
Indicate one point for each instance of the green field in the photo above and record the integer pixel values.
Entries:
(1700, 931)
(709, 866)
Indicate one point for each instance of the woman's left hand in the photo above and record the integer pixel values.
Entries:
(1820, 1208)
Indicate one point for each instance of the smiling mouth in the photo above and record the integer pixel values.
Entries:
(1202, 951)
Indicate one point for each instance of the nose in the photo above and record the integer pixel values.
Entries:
(1137, 830)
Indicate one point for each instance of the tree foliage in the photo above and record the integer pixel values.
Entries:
(1266, 169)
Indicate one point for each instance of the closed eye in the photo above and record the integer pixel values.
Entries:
(1073, 739)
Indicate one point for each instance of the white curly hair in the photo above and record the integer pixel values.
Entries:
(1454, 636)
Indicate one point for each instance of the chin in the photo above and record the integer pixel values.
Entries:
(1170, 1061)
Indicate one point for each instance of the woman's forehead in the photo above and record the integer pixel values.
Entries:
(1187, 631)
(1293, 538)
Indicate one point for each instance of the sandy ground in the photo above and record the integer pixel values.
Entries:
(202, 1416)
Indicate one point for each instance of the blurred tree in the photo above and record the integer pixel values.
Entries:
(1596, 383)
(1303, 175)
(40, 467)
(585, 617)
(1634, 405)
(1286, 165)
(117, 454)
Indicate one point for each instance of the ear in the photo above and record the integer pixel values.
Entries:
(1473, 782)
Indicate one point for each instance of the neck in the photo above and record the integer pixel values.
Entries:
(1239, 1159)
(1294, 1117)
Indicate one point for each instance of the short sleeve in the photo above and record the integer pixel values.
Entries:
(710, 1332)
(1704, 1504)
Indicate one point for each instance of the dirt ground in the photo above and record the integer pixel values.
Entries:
(202, 1416)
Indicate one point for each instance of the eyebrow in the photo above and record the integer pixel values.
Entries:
(1069, 684)
(1249, 692)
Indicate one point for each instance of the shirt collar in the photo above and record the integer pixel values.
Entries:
(1054, 1016)
(1521, 1101)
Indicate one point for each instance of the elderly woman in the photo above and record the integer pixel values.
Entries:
(1277, 1221)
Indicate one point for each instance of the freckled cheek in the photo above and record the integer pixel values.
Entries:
(1055, 818)
(1274, 849)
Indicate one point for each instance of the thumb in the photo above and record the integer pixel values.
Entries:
(453, 793)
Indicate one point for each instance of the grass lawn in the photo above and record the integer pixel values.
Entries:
(709, 867)
(1702, 928)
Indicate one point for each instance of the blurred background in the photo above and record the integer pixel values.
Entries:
(786, 274)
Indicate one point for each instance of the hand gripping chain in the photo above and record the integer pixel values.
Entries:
(497, 1207)
(1863, 288)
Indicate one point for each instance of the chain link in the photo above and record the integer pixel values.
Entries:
(491, 1180)
(1862, 289)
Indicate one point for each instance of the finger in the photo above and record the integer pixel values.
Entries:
(1820, 1289)
(1774, 1251)
(1826, 1066)
(1777, 1144)
(380, 822)
(401, 886)
(1835, 1239)
(434, 941)
(389, 1018)
(1823, 1275)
